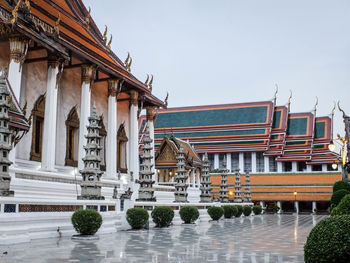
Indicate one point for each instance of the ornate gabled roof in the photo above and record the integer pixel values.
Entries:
(73, 34)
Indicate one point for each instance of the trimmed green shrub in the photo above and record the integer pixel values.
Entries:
(189, 214)
(334, 211)
(229, 211)
(137, 217)
(329, 241)
(257, 209)
(338, 196)
(275, 208)
(162, 216)
(239, 210)
(247, 210)
(215, 212)
(343, 208)
(86, 222)
(341, 185)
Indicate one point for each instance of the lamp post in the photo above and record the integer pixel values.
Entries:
(295, 201)
(343, 142)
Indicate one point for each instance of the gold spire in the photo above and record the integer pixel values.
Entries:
(151, 83)
(105, 34)
(110, 42)
(146, 82)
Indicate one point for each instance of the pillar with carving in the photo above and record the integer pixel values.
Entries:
(111, 146)
(247, 193)
(205, 183)
(85, 104)
(238, 194)
(151, 117)
(49, 133)
(223, 194)
(181, 177)
(134, 139)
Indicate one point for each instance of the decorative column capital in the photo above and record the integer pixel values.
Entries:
(53, 60)
(18, 48)
(150, 113)
(86, 73)
(113, 87)
(134, 95)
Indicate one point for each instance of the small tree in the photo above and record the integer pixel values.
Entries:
(257, 209)
(343, 208)
(229, 211)
(189, 214)
(86, 222)
(338, 196)
(162, 216)
(137, 217)
(247, 210)
(240, 210)
(215, 212)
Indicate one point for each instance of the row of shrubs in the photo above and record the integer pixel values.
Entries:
(162, 216)
(329, 240)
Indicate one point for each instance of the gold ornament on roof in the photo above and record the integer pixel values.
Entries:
(146, 82)
(57, 30)
(105, 34)
(87, 17)
(128, 62)
(27, 4)
(315, 107)
(151, 83)
(15, 12)
(110, 42)
(275, 96)
(166, 99)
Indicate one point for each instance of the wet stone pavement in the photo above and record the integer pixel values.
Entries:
(264, 238)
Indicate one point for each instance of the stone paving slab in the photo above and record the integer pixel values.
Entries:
(255, 239)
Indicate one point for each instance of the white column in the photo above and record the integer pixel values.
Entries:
(134, 138)
(85, 102)
(254, 162)
(48, 156)
(294, 167)
(324, 167)
(279, 167)
(192, 178)
(151, 115)
(314, 206)
(17, 54)
(280, 206)
(111, 146)
(216, 161)
(267, 164)
(241, 162)
(198, 178)
(228, 161)
(296, 204)
(308, 168)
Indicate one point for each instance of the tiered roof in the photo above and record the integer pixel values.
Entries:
(249, 127)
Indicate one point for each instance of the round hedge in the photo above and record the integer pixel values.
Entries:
(215, 212)
(343, 208)
(247, 210)
(329, 241)
(338, 196)
(86, 222)
(162, 216)
(137, 217)
(189, 214)
(341, 185)
(275, 208)
(257, 209)
(239, 210)
(229, 211)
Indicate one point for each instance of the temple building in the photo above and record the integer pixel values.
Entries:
(284, 152)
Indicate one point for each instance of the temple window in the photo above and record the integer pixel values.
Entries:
(301, 166)
(37, 128)
(103, 134)
(317, 168)
(272, 164)
(247, 162)
(72, 138)
(122, 140)
(221, 160)
(260, 165)
(234, 162)
(211, 160)
(287, 166)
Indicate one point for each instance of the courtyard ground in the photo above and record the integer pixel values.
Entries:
(264, 238)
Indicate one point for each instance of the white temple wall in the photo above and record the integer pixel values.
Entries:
(69, 92)
(99, 94)
(33, 84)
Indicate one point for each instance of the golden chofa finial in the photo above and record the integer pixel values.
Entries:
(57, 23)
(151, 83)
(105, 34)
(110, 42)
(127, 59)
(146, 82)
(315, 107)
(128, 62)
(275, 96)
(166, 99)
(87, 17)
(344, 115)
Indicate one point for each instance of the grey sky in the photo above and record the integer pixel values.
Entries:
(213, 52)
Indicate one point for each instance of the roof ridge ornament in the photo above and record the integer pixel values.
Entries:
(275, 96)
(289, 100)
(15, 12)
(105, 34)
(340, 109)
(150, 83)
(87, 17)
(146, 82)
(128, 62)
(315, 107)
(166, 99)
(110, 42)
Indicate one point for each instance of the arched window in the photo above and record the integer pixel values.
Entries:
(37, 128)
(72, 138)
(122, 140)
(103, 134)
